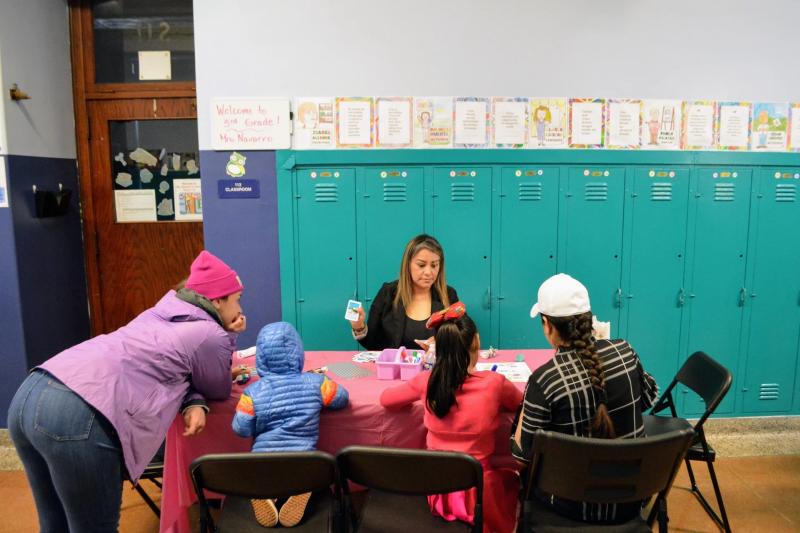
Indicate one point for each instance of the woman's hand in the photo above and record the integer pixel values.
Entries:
(360, 323)
(194, 420)
(238, 371)
(238, 325)
(426, 344)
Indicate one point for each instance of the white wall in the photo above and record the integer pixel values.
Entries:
(717, 49)
(34, 41)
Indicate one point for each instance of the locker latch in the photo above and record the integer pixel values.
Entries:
(619, 297)
(681, 297)
(742, 296)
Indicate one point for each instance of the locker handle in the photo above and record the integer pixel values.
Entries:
(681, 298)
(619, 297)
(487, 299)
(742, 296)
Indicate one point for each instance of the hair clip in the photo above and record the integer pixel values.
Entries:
(457, 310)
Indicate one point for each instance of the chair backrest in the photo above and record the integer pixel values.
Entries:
(407, 471)
(263, 475)
(606, 470)
(707, 378)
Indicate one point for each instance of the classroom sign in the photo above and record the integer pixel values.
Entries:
(250, 124)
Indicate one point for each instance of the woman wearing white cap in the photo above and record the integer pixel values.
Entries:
(591, 388)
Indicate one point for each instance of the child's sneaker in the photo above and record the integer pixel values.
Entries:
(293, 510)
(266, 512)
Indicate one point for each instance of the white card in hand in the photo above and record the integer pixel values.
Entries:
(351, 313)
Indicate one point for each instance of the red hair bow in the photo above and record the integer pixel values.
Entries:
(457, 310)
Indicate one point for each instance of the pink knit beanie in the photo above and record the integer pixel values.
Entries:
(212, 278)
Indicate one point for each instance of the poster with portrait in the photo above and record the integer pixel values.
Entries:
(314, 123)
(661, 124)
(548, 122)
(770, 127)
(433, 122)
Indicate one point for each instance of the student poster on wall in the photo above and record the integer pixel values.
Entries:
(314, 123)
(698, 125)
(355, 120)
(661, 124)
(188, 199)
(586, 122)
(3, 183)
(733, 126)
(548, 123)
(471, 122)
(622, 124)
(433, 122)
(393, 122)
(510, 122)
(770, 127)
(794, 127)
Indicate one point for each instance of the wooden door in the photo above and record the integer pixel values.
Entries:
(132, 264)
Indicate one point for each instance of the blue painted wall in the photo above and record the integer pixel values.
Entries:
(244, 233)
(50, 262)
(12, 347)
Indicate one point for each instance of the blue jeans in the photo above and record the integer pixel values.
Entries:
(71, 454)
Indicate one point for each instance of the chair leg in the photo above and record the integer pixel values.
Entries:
(691, 475)
(663, 518)
(146, 497)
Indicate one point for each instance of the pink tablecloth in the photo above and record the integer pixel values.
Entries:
(364, 421)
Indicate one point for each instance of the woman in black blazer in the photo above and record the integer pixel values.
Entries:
(401, 308)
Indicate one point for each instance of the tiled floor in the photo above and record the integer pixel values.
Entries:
(762, 494)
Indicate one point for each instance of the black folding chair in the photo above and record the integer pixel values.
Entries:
(399, 481)
(711, 381)
(601, 471)
(241, 477)
(154, 473)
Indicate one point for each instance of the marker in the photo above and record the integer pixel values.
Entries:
(494, 368)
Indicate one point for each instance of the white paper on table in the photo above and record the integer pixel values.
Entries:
(734, 126)
(3, 183)
(355, 122)
(394, 121)
(516, 372)
(661, 124)
(587, 123)
(699, 124)
(470, 122)
(136, 206)
(509, 122)
(794, 126)
(314, 123)
(188, 199)
(155, 65)
(623, 124)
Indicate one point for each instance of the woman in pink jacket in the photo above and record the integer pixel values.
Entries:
(105, 405)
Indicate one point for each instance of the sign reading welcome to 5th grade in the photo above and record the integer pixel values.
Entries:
(250, 124)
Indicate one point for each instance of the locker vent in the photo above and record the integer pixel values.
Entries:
(394, 192)
(596, 191)
(661, 191)
(785, 192)
(724, 192)
(769, 391)
(462, 192)
(326, 192)
(530, 192)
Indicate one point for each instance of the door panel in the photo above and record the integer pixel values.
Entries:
(135, 263)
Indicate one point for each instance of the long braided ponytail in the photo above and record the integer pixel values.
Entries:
(576, 332)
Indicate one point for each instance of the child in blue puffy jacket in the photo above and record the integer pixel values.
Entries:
(281, 410)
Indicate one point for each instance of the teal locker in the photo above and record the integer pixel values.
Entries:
(393, 213)
(717, 294)
(592, 223)
(326, 256)
(774, 294)
(462, 221)
(528, 241)
(655, 256)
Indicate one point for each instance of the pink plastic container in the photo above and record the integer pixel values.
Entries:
(390, 364)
